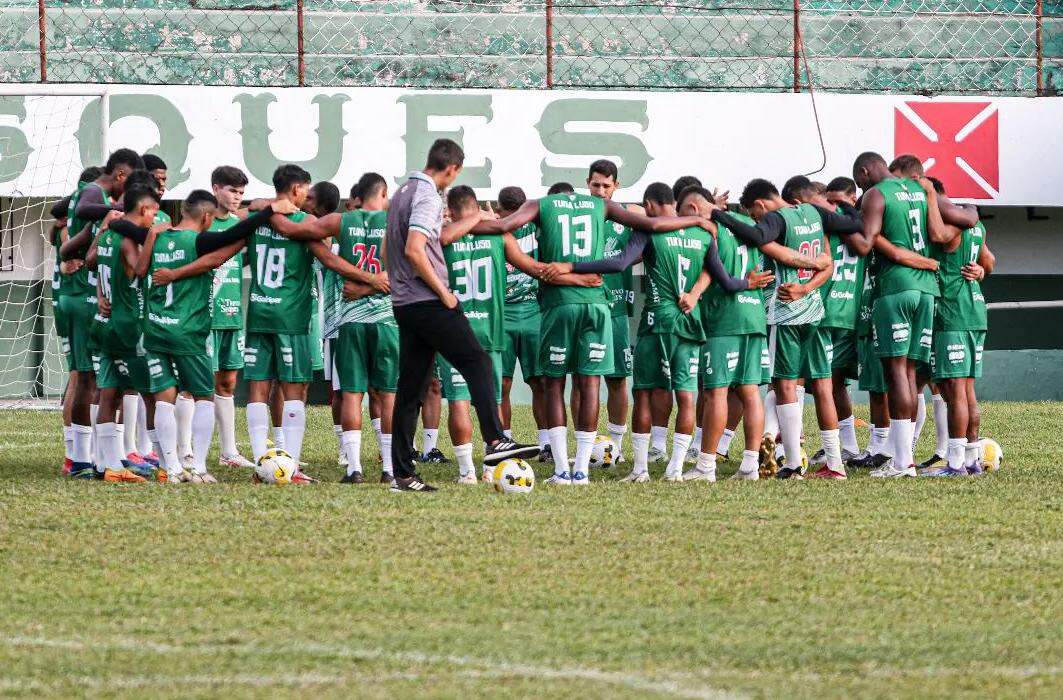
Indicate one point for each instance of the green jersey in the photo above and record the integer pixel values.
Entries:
(962, 305)
(904, 225)
(804, 233)
(361, 243)
(841, 294)
(571, 229)
(226, 307)
(734, 314)
(162, 217)
(82, 284)
(620, 286)
(120, 333)
(673, 262)
(178, 314)
(520, 287)
(280, 299)
(476, 266)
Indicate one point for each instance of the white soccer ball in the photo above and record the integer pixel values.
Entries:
(275, 467)
(602, 452)
(514, 476)
(992, 454)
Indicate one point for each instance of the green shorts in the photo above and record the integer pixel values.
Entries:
(122, 371)
(735, 360)
(279, 356)
(903, 324)
(226, 348)
(453, 384)
(844, 360)
(367, 356)
(522, 344)
(872, 377)
(80, 345)
(957, 354)
(59, 319)
(191, 373)
(799, 351)
(663, 361)
(576, 339)
(623, 357)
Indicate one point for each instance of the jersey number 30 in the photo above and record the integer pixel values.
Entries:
(472, 279)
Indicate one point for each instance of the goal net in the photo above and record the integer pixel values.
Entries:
(48, 135)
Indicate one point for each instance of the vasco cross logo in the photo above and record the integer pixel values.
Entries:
(958, 142)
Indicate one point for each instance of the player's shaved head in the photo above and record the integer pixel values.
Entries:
(370, 185)
(907, 165)
(658, 193)
(287, 177)
(561, 188)
(682, 183)
(461, 200)
(90, 173)
(511, 198)
(135, 195)
(228, 176)
(869, 169)
(323, 199)
(123, 158)
(799, 189)
(690, 198)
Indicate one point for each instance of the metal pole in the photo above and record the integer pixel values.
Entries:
(549, 44)
(299, 41)
(42, 26)
(1040, 48)
(797, 45)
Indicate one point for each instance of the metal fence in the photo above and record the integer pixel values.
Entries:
(911, 46)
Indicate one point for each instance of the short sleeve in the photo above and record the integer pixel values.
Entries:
(426, 212)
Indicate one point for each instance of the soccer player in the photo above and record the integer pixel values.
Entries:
(227, 315)
(894, 211)
(797, 346)
(576, 322)
(523, 321)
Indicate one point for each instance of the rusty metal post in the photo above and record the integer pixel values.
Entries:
(42, 31)
(299, 41)
(797, 45)
(549, 44)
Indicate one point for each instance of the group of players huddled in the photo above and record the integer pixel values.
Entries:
(801, 290)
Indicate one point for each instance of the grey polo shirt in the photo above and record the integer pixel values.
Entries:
(418, 206)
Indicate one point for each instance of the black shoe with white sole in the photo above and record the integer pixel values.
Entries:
(413, 484)
(506, 449)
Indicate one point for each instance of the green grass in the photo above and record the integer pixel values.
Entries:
(921, 588)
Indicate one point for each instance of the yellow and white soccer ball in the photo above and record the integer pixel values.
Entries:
(992, 454)
(514, 476)
(602, 452)
(275, 467)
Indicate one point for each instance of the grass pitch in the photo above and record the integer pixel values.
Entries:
(920, 588)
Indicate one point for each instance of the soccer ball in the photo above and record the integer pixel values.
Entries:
(275, 467)
(992, 454)
(514, 476)
(602, 452)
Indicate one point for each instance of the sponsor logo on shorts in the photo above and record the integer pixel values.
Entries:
(901, 332)
(163, 320)
(250, 355)
(693, 365)
(956, 352)
(154, 367)
(829, 349)
(287, 356)
(666, 368)
(926, 338)
(732, 360)
(558, 354)
(260, 299)
(977, 353)
(765, 359)
(596, 352)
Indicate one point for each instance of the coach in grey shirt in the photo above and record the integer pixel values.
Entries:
(431, 320)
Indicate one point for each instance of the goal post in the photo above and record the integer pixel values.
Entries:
(48, 135)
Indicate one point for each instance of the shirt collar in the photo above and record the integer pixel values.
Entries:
(419, 175)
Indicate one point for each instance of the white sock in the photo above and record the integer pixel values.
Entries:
(584, 447)
(166, 428)
(680, 445)
(706, 463)
(82, 447)
(725, 441)
(153, 441)
(829, 441)
(351, 446)
(790, 427)
(750, 461)
(559, 448)
(800, 390)
(278, 436)
(337, 430)
(879, 441)
(110, 447)
(225, 416)
(385, 453)
(431, 436)
(957, 453)
(183, 409)
(68, 441)
(920, 420)
(294, 423)
(376, 429)
(616, 434)
(901, 433)
(696, 442)
(640, 449)
(130, 406)
(972, 454)
(258, 428)
(97, 458)
(507, 432)
(659, 437)
(202, 434)
(145, 444)
(544, 438)
(463, 455)
(847, 430)
(941, 424)
(771, 415)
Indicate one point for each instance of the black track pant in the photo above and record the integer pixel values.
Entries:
(427, 328)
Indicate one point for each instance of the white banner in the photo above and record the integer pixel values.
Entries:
(1003, 151)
